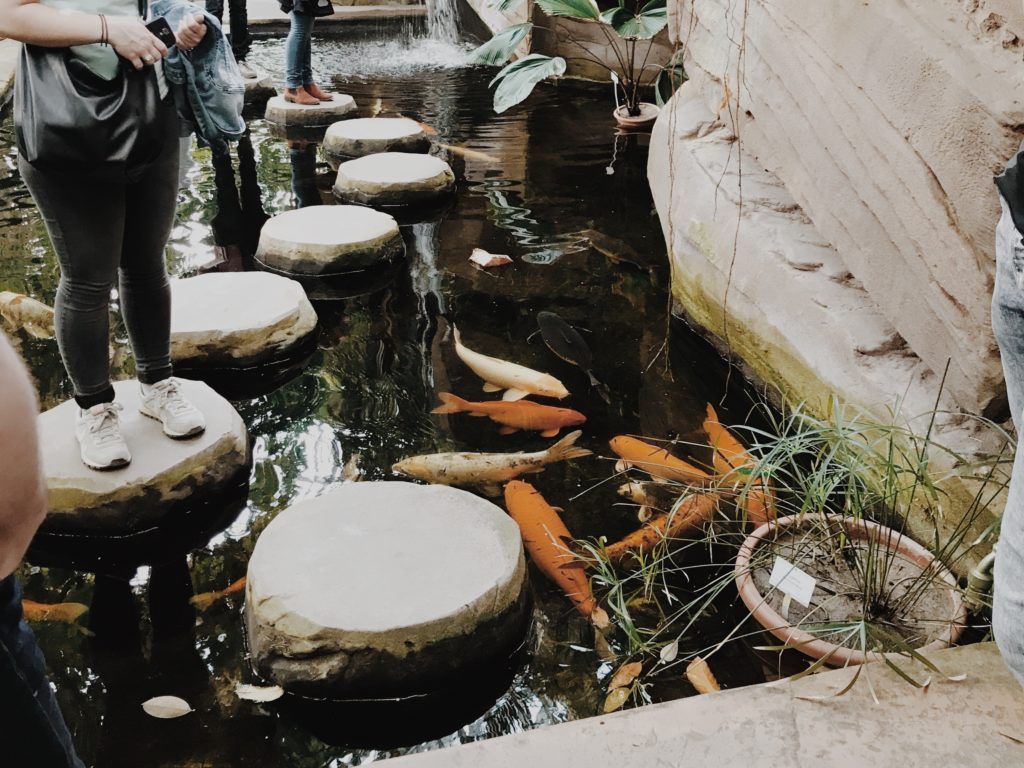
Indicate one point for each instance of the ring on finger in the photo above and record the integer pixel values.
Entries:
(148, 59)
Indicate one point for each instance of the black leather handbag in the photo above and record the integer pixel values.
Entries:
(68, 119)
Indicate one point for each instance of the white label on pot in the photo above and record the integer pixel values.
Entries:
(791, 581)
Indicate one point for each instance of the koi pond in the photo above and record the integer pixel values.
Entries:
(549, 183)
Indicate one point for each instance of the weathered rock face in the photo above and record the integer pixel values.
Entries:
(238, 319)
(884, 122)
(394, 178)
(384, 588)
(325, 240)
(163, 475)
(370, 135)
(288, 115)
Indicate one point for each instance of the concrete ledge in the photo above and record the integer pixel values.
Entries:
(267, 20)
(9, 51)
(977, 722)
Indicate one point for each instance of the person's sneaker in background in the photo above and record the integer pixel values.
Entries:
(248, 73)
(98, 431)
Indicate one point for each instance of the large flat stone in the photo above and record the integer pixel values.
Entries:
(384, 588)
(394, 178)
(885, 121)
(370, 135)
(288, 115)
(238, 319)
(975, 723)
(325, 240)
(164, 474)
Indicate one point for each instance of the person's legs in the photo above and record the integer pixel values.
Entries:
(308, 82)
(216, 9)
(85, 221)
(28, 708)
(240, 39)
(1008, 325)
(297, 54)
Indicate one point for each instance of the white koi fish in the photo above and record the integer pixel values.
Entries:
(518, 381)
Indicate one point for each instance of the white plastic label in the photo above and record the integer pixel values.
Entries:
(793, 582)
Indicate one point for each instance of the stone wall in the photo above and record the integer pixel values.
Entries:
(882, 123)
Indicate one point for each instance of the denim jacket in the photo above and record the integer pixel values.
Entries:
(207, 86)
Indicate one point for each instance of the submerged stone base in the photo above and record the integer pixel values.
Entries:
(326, 240)
(164, 474)
(288, 115)
(384, 589)
(394, 178)
(238, 319)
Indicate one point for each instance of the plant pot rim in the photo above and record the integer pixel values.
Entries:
(648, 114)
(816, 648)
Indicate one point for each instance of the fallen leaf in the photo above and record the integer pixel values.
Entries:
(601, 647)
(166, 707)
(700, 676)
(259, 693)
(599, 618)
(486, 260)
(669, 652)
(644, 514)
(625, 675)
(615, 700)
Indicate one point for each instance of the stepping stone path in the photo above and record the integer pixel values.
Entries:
(289, 115)
(163, 473)
(238, 319)
(394, 178)
(259, 88)
(326, 240)
(385, 588)
(369, 135)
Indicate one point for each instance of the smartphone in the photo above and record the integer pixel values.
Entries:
(162, 31)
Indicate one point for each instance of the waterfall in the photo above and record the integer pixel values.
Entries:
(443, 20)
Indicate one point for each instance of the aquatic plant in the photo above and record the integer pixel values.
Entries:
(629, 29)
(846, 465)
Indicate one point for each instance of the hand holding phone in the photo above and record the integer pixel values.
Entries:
(162, 31)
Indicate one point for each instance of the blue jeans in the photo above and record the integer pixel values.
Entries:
(35, 729)
(299, 51)
(1008, 325)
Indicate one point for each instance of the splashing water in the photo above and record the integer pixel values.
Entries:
(443, 20)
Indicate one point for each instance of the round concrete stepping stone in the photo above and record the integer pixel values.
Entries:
(259, 88)
(286, 114)
(163, 474)
(369, 135)
(393, 178)
(384, 588)
(325, 240)
(238, 319)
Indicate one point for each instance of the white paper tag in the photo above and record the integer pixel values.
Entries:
(793, 582)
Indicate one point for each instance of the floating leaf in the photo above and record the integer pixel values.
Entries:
(599, 618)
(615, 699)
(625, 675)
(601, 647)
(500, 48)
(517, 81)
(669, 652)
(166, 707)
(486, 260)
(259, 693)
(700, 676)
(644, 514)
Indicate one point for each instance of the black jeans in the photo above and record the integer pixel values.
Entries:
(35, 733)
(102, 231)
(240, 39)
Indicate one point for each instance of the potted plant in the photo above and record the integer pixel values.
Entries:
(629, 28)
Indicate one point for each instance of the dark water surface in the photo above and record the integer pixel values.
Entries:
(538, 179)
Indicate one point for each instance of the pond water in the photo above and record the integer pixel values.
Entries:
(541, 183)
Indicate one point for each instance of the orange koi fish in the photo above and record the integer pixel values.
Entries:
(514, 415)
(656, 461)
(732, 460)
(204, 600)
(68, 613)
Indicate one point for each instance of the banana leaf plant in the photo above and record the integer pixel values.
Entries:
(629, 29)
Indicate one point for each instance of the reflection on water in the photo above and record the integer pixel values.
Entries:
(533, 183)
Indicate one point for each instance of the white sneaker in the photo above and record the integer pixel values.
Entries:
(247, 72)
(98, 431)
(164, 402)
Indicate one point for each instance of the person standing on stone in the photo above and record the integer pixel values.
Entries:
(1008, 325)
(106, 229)
(299, 85)
(241, 41)
(37, 734)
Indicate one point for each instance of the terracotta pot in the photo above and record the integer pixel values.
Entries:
(648, 114)
(808, 644)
